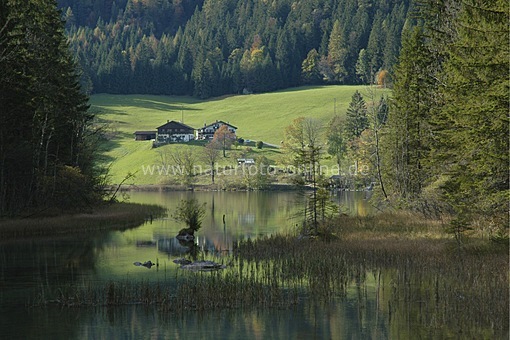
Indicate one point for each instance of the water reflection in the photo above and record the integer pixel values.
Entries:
(354, 202)
(306, 321)
(230, 216)
(99, 258)
(32, 268)
(380, 306)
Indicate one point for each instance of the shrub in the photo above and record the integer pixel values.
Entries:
(190, 212)
(260, 144)
(69, 189)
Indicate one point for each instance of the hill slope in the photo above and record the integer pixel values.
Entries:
(258, 117)
(208, 48)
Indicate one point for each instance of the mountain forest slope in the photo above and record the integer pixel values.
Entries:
(216, 47)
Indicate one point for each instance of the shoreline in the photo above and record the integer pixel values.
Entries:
(202, 187)
(216, 188)
(117, 216)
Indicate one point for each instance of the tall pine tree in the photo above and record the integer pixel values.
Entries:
(406, 140)
(476, 96)
(44, 157)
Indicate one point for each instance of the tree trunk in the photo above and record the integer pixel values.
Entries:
(378, 160)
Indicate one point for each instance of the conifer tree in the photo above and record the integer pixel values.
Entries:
(310, 72)
(406, 140)
(335, 70)
(356, 120)
(363, 68)
(475, 112)
(42, 137)
(337, 29)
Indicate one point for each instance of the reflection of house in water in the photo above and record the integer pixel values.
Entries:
(212, 246)
(143, 243)
(173, 247)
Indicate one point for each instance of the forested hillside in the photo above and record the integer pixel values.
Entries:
(214, 47)
(446, 142)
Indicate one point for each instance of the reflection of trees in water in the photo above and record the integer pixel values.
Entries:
(171, 246)
(46, 262)
(30, 269)
(246, 213)
(414, 287)
(354, 202)
(306, 320)
(193, 249)
(237, 215)
(249, 209)
(50, 262)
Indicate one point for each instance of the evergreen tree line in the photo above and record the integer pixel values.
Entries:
(446, 142)
(214, 47)
(45, 159)
(440, 144)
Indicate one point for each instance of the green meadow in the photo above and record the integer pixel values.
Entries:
(257, 117)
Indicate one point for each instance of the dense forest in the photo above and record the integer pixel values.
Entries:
(214, 47)
(45, 153)
(446, 143)
(440, 144)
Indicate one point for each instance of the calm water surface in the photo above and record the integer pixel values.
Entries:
(30, 268)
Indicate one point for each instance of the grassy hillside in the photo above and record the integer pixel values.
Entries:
(258, 117)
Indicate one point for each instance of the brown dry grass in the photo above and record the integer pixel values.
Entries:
(115, 216)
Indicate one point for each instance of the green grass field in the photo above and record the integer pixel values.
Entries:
(258, 117)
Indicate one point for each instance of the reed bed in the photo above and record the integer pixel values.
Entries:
(415, 280)
(189, 292)
(436, 284)
(387, 225)
(117, 216)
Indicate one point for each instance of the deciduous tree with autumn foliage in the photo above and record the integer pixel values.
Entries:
(224, 137)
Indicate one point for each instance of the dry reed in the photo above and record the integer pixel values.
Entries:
(117, 216)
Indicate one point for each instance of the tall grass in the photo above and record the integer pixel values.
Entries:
(389, 225)
(415, 282)
(424, 277)
(192, 291)
(117, 216)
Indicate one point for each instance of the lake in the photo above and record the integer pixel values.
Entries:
(29, 269)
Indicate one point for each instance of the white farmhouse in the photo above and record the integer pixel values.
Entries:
(207, 132)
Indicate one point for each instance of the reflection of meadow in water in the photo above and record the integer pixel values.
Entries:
(30, 269)
(101, 257)
(246, 215)
(367, 294)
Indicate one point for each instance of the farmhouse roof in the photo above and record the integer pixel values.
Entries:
(175, 125)
(144, 132)
(218, 122)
